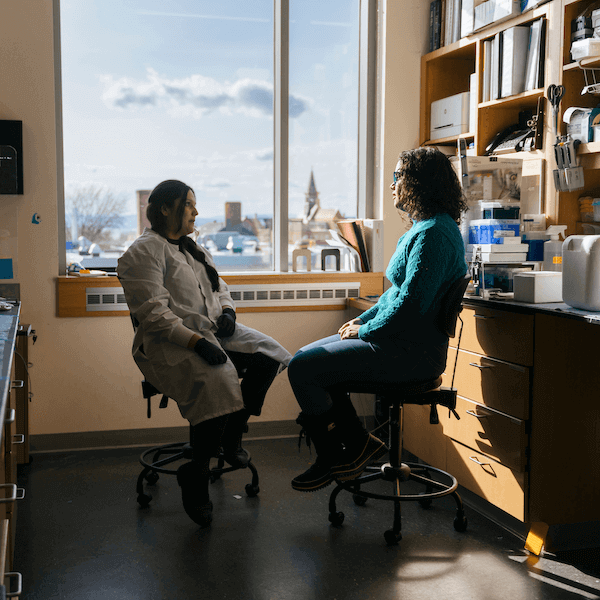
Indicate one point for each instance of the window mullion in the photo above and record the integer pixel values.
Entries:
(280, 130)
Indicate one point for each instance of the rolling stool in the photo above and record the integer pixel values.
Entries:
(396, 395)
(153, 464)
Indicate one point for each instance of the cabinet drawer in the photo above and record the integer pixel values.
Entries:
(491, 433)
(487, 478)
(499, 385)
(498, 333)
(423, 439)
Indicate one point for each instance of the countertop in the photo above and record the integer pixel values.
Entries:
(557, 309)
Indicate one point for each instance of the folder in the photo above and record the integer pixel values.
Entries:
(467, 18)
(514, 60)
(487, 70)
(534, 73)
(496, 70)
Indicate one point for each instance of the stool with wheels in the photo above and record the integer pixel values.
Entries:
(157, 459)
(396, 395)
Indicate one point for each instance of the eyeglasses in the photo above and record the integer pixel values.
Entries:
(397, 175)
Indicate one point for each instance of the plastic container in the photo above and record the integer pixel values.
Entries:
(596, 207)
(492, 231)
(534, 235)
(553, 248)
(586, 208)
(500, 210)
(581, 272)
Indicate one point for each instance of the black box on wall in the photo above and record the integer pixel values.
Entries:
(11, 157)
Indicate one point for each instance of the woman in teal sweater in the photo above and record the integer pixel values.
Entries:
(396, 340)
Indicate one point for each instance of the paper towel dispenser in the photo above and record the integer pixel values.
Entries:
(11, 157)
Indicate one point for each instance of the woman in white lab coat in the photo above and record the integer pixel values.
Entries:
(187, 341)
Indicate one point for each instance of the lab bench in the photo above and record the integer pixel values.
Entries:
(12, 405)
(527, 445)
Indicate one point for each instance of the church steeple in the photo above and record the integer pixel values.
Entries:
(312, 203)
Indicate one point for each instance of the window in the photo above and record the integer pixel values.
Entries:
(185, 90)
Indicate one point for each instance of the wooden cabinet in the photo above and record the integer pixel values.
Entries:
(527, 440)
(486, 450)
(12, 389)
(447, 71)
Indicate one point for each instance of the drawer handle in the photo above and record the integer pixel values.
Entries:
(18, 438)
(482, 316)
(19, 579)
(481, 464)
(12, 415)
(480, 366)
(16, 493)
(474, 414)
(18, 383)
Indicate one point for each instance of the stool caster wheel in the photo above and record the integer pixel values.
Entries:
(144, 500)
(392, 538)
(152, 477)
(336, 518)
(359, 500)
(460, 523)
(252, 491)
(426, 502)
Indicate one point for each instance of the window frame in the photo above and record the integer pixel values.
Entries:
(366, 128)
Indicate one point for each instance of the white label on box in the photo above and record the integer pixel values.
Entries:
(502, 233)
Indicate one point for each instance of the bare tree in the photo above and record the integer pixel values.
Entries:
(91, 210)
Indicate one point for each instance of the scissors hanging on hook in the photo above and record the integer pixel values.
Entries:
(555, 94)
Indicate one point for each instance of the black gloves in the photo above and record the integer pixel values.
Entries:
(212, 354)
(226, 323)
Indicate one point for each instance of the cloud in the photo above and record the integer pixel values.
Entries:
(196, 95)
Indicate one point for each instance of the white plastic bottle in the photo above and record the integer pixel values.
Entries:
(553, 248)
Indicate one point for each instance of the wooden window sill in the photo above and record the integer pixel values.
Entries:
(71, 290)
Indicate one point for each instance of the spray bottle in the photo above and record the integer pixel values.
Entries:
(553, 248)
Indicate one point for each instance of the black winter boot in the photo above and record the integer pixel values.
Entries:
(321, 429)
(193, 479)
(360, 446)
(233, 453)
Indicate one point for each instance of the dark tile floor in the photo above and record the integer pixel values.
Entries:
(82, 536)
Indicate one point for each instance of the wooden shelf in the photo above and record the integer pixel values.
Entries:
(511, 101)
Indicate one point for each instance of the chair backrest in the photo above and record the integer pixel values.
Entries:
(451, 306)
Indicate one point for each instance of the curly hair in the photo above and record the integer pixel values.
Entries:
(428, 185)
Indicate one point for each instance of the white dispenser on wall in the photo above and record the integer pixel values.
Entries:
(553, 248)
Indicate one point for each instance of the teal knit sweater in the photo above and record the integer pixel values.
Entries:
(428, 258)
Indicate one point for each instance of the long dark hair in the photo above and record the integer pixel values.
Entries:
(173, 193)
(429, 185)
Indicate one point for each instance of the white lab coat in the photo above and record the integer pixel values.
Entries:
(170, 295)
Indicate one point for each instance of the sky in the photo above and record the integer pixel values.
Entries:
(184, 90)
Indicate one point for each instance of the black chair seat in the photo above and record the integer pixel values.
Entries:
(402, 389)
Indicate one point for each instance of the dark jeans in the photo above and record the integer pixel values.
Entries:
(332, 361)
(257, 372)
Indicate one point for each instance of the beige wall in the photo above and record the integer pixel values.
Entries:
(83, 376)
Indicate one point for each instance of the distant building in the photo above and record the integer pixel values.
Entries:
(142, 203)
(314, 225)
(233, 215)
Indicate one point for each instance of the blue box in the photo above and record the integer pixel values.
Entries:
(492, 231)
(6, 268)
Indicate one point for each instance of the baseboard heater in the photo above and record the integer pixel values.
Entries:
(294, 294)
(288, 294)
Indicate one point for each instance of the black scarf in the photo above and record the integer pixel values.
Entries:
(187, 244)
